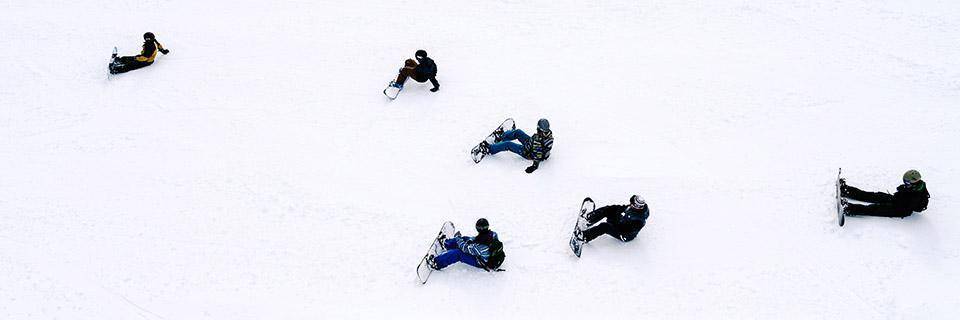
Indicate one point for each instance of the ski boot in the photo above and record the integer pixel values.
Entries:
(498, 134)
(578, 234)
(480, 151)
(843, 206)
(844, 191)
(431, 263)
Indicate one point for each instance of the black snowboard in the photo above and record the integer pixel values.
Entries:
(840, 216)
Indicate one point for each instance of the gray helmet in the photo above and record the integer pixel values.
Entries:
(911, 176)
(543, 125)
(637, 202)
(483, 225)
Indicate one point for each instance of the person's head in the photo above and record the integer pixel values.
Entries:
(911, 177)
(543, 125)
(482, 225)
(149, 36)
(420, 54)
(637, 202)
(410, 63)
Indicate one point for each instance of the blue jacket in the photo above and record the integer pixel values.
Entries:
(469, 245)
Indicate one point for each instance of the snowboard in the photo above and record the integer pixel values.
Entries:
(392, 90)
(840, 216)
(494, 137)
(586, 207)
(424, 270)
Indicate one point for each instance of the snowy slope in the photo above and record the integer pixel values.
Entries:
(257, 172)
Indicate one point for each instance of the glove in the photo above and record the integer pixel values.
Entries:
(165, 51)
(533, 167)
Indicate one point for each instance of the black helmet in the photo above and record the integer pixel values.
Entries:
(543, 125)
(149, 36)
(483, 225)
(420, 54)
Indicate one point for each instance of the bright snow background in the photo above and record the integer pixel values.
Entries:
(257, 172)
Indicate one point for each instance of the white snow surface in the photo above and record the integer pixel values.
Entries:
(257, 172)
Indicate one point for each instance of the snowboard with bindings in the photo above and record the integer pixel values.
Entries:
(840, 215)
(393, 90)
(477, 153)
(424, 269)
(586, 207)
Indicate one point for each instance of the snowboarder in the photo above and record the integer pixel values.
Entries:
(146, 57)
(911, 196)
(484, 251)
(536, 148)
(623, 221)
(423, 71)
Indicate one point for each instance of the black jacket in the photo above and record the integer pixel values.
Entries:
(426, 67)
(913, 196)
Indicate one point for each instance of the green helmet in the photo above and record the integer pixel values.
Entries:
(911, 176)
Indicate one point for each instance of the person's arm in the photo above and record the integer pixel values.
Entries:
(160, 46)
(533, 167)
(539, 149)
(475, 249)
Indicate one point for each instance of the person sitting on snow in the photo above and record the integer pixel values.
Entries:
(484, 251)
(146, 57)
(623, 221)
(912, 196)
(425, 70)
(536, 148)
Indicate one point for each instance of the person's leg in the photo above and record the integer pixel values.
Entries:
(506, 145)
(447, 258)
(419, 77)
(450, 244)
(597, 215)
(470, 260)
(453, 256)
(599, 230)
(515, 134)
(127, 59)
(436, 84)
(403, 75)
(877, 210)
(860, 195)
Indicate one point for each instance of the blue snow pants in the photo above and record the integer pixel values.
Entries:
(507, 144)
(454, 255)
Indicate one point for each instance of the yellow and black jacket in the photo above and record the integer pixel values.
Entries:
(149, 53)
